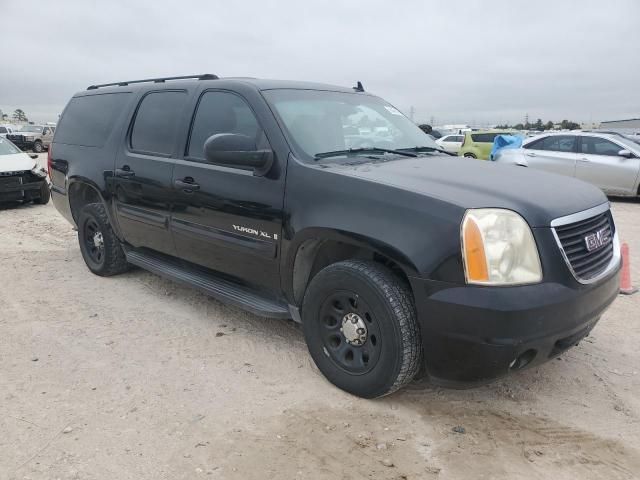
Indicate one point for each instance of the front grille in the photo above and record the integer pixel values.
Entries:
(573, 240)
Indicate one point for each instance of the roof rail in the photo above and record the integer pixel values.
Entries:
(204, 76)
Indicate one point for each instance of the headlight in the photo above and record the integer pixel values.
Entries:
(498, 248)
(39, 171)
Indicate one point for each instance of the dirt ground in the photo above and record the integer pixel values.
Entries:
(134, 377)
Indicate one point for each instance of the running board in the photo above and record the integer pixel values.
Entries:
(219, 288)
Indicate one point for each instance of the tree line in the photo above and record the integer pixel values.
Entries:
(540, 125)
(18, 115)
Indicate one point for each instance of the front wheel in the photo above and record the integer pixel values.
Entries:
(469, 155)
(99, 245)
(359, 322)
(45, 195)
(37, 147)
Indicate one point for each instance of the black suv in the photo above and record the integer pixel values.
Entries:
(329, 206)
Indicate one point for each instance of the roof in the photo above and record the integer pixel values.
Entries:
(259, 83)
(618, 121)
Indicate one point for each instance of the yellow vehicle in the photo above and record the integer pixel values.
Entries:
(478, 144)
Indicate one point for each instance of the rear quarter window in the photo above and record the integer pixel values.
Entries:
(88, 121)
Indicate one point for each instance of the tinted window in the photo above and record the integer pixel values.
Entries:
(221, 112)
(598, 146)
(88, 121)
(484, 137)
(555, 143)
(456, 138)
(3, 130)
(156, 123)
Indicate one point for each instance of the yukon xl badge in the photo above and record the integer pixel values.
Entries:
(597, 239)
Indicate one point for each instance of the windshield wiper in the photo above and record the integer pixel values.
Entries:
(352, 151)
(429, 149)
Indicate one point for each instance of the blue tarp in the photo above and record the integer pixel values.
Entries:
(505, 141)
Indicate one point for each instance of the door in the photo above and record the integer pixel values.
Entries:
(555, 153)
(452, 143)
(142, 183)
(600, 164)
(227, 219)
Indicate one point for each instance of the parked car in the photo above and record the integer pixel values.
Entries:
(5, 129)
(610, 161)
(451, 143)
(21, 179)
(33, 137)
(396, 259)
(478, 144)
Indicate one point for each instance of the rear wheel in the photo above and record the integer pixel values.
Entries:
(360, 326)
(99, 245)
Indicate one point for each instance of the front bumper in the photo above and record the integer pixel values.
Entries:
(23, 144)
(23, 187)
(473, 334)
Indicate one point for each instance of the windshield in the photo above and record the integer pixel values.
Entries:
(31, 128)
(632, 143)
(323, 121)
(7, 148)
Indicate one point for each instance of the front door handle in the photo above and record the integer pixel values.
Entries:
(125, 171)
(187, 185)
(530, 154)
(584, 160)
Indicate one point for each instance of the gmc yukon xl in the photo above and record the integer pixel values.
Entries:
(328, 206)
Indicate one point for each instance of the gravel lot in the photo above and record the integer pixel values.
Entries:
(134, 377)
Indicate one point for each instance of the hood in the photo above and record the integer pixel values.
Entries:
(468, 183)
(16, 162)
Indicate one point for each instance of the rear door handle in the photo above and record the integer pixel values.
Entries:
(125, 171)
(187, 184)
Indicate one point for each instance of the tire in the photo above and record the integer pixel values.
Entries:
(390, 351)
(45, 195)
(37, 147)
(469, 155)
(99, 245)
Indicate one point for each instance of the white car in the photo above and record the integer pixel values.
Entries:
(451, 143)
(21, 178)
(609, 161)
(4, 129)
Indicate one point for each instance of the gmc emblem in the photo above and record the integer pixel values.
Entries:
(597, 240)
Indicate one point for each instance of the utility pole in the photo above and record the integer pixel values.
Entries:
(412, 112)
(432, 120)
(526, 118)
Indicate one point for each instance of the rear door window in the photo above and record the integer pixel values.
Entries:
(484, 137)
(89, 120)
(555, 143)
(598, 146)
(155, 126)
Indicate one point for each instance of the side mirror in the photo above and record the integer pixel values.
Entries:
(625, 153)
(239, 151)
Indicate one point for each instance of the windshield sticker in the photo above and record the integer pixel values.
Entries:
(393, 110)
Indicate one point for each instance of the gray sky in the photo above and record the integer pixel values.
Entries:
(466, 61)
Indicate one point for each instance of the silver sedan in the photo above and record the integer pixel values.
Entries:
(609, 161)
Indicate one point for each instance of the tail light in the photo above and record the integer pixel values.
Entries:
(49, 160)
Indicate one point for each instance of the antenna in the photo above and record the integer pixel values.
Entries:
(359, 87)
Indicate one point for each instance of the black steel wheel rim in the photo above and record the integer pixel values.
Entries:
(95, 252)
(353, 359)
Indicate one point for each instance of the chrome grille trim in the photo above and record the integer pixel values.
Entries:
(579, 217)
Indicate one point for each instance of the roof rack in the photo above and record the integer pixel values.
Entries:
(204, 76)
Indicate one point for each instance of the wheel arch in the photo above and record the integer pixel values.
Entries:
(316, 248)
(82, 191)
